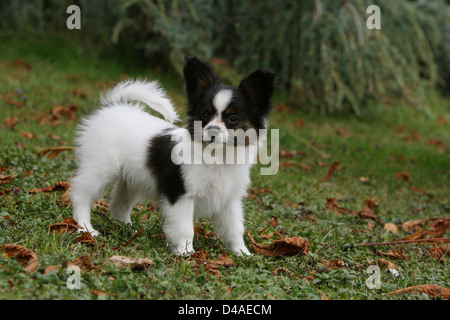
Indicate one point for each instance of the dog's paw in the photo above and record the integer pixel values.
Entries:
(242, 251)
(93, 232)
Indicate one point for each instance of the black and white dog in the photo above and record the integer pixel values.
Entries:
(121, 143)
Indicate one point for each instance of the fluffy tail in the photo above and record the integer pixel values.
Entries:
(149, 93)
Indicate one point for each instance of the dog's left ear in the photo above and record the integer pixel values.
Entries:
(258, 88)
(199, 77)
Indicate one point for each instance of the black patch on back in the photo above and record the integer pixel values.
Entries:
(159, 162)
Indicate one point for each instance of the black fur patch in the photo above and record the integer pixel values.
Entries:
(159, 162)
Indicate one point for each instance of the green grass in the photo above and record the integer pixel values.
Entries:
(375, 146)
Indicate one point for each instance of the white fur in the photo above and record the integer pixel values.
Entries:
(222, 100)
(112, 148)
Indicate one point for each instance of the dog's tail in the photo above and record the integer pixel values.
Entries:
(147, 92)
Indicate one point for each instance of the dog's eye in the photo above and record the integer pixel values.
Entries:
(204, 115)
(232, 119)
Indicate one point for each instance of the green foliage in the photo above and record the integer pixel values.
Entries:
(326, 57)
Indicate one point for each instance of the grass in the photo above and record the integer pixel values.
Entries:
(41, 74)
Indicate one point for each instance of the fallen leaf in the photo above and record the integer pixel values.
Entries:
(300, 123)
(396, 254)
(333, 168)
(281, 270)
(333, 264)
(68, 225)
(10, 123)
(50, 269)
(403, 175)
(372, 202)
(53, 151)
(391, 227)
(431, 290)
(287, 247)
(60, 186)
(132, 263)
(413, 225)
(6, 179)
(22, 255)
(84, 263)
(288, 164)
(86, 238)
(366, 213)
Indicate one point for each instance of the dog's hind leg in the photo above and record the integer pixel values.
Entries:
(85, 190)
(122, 202)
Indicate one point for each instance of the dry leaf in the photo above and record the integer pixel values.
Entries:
(287, 247)
(133, 263)
(84, 263)
(50, 269)
(333, 264)
(397, 254)
(333, 168)
(431, 290)
(281, 270)
(403, 175)
(22, 255)
(366, 213)
(372, 202)
(86, 238)
(53, 151)
(391, 227)
(68, 225)
(60, 186)
(413, 225)
(6, 179)
(11, 122)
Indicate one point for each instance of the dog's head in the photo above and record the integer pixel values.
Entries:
(228, 115)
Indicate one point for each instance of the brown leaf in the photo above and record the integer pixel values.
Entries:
(60, 186)
(333, 206)
(222, 261)
(413, 225)
(366, 213)
(281, 270)
(50, 269)
(6, 179)
(53, 151)
(372, 202)
(22, 255)
(287, 247)
(333, 168)
(132, 263)
(385, 264)
(396, 254)
(11, 122)
(403, 175)
(84, 263)
(86, 238)
(333, 264)
(431, 290)
(391, 227)
(288, 164)
(68, 225)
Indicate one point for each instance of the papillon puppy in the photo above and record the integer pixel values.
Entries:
(121, 143)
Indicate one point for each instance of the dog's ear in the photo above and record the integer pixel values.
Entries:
(199, 77)
(258, 88)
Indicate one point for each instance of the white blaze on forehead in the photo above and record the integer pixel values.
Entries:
(222, 100)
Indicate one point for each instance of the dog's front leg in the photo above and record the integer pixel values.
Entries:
(178, 224)
(230, 227)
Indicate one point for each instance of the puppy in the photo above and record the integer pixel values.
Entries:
(123, 144)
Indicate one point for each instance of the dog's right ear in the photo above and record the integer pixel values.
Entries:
(199, 77)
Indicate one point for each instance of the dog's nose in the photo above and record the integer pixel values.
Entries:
(212, 132)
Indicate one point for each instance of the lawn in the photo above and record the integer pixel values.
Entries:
(390, 183)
